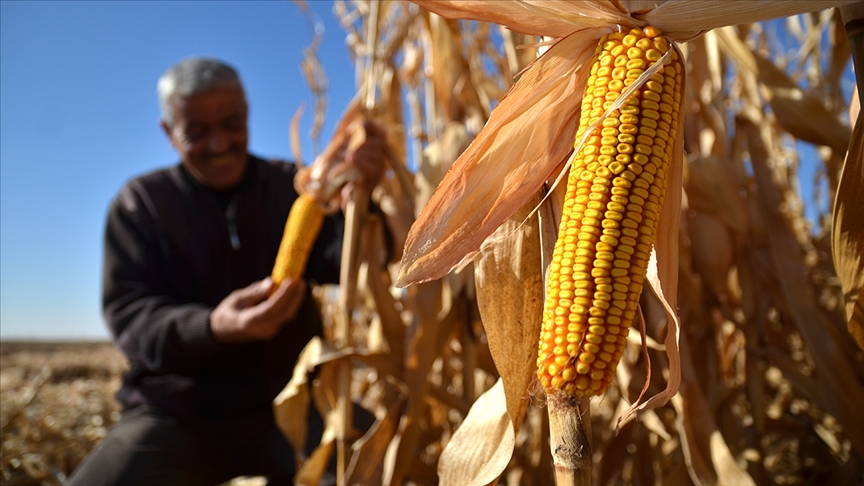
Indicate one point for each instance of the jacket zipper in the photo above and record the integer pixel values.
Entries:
(231, 216)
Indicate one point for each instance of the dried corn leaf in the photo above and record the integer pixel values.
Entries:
(680, 20)
(510, 295)
(482, 446)
(848, 233)
(367, 466)
(431, 321)
(526, 138)
(295, 396)
(836, 373)
(329, 172)
(315, 466)
(685, 19)
(802, 114)
(708, 457)
(711, 190)
(555, 18)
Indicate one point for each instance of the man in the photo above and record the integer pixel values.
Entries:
(188, 251)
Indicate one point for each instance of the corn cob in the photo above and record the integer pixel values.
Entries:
(301, 229)
(615, 189)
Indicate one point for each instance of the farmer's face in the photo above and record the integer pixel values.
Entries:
(210, 134)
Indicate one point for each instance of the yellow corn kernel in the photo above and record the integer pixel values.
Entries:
(614, 193)
(301, 229)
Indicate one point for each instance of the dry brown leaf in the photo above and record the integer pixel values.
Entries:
(836, 374)
(684, 19)
(854, 108)
(505, 164)
(708, 457)
(559, 18)
(802, 114)
(848, 232)
(294, 136)
(290, 406)
(328, 173)
(713, 250)
(315, 466)
(482, 446)
(432, 320)
(367, 466)
(711, 190)
(510, 296)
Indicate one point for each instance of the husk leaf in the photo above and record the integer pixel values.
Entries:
(510, 296)
(482, 446)
(848, 233)
(506, 163)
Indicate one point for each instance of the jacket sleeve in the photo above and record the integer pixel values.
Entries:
(155, 331)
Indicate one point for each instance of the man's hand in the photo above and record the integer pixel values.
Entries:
(248, 314)
(369, 156)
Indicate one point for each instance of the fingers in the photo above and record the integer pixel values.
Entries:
(369, 156)
(251, 294)
(252, 314)
(286, 301)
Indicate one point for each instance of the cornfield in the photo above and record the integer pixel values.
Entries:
(748, 359)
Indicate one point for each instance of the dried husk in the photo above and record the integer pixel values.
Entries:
(482, 446)
(848, 216)
(848, 233)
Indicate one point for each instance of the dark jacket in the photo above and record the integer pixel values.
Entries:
(173, 250)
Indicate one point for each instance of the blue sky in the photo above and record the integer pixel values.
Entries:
(79, 116)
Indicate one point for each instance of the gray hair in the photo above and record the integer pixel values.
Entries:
(191, 76)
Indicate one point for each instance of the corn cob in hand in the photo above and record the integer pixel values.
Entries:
(301, 229)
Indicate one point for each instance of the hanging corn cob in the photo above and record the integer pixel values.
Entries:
(301, 229)
(615, 190)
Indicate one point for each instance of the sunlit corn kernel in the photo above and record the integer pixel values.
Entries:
(582, 368)
(644, 42)
(650, 32)
(593, 338)
(582, 383)
(596, 331)
(634, 63)
(557, 382)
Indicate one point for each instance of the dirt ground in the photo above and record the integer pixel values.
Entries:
(56, 403)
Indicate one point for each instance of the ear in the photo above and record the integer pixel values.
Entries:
(166, 129)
